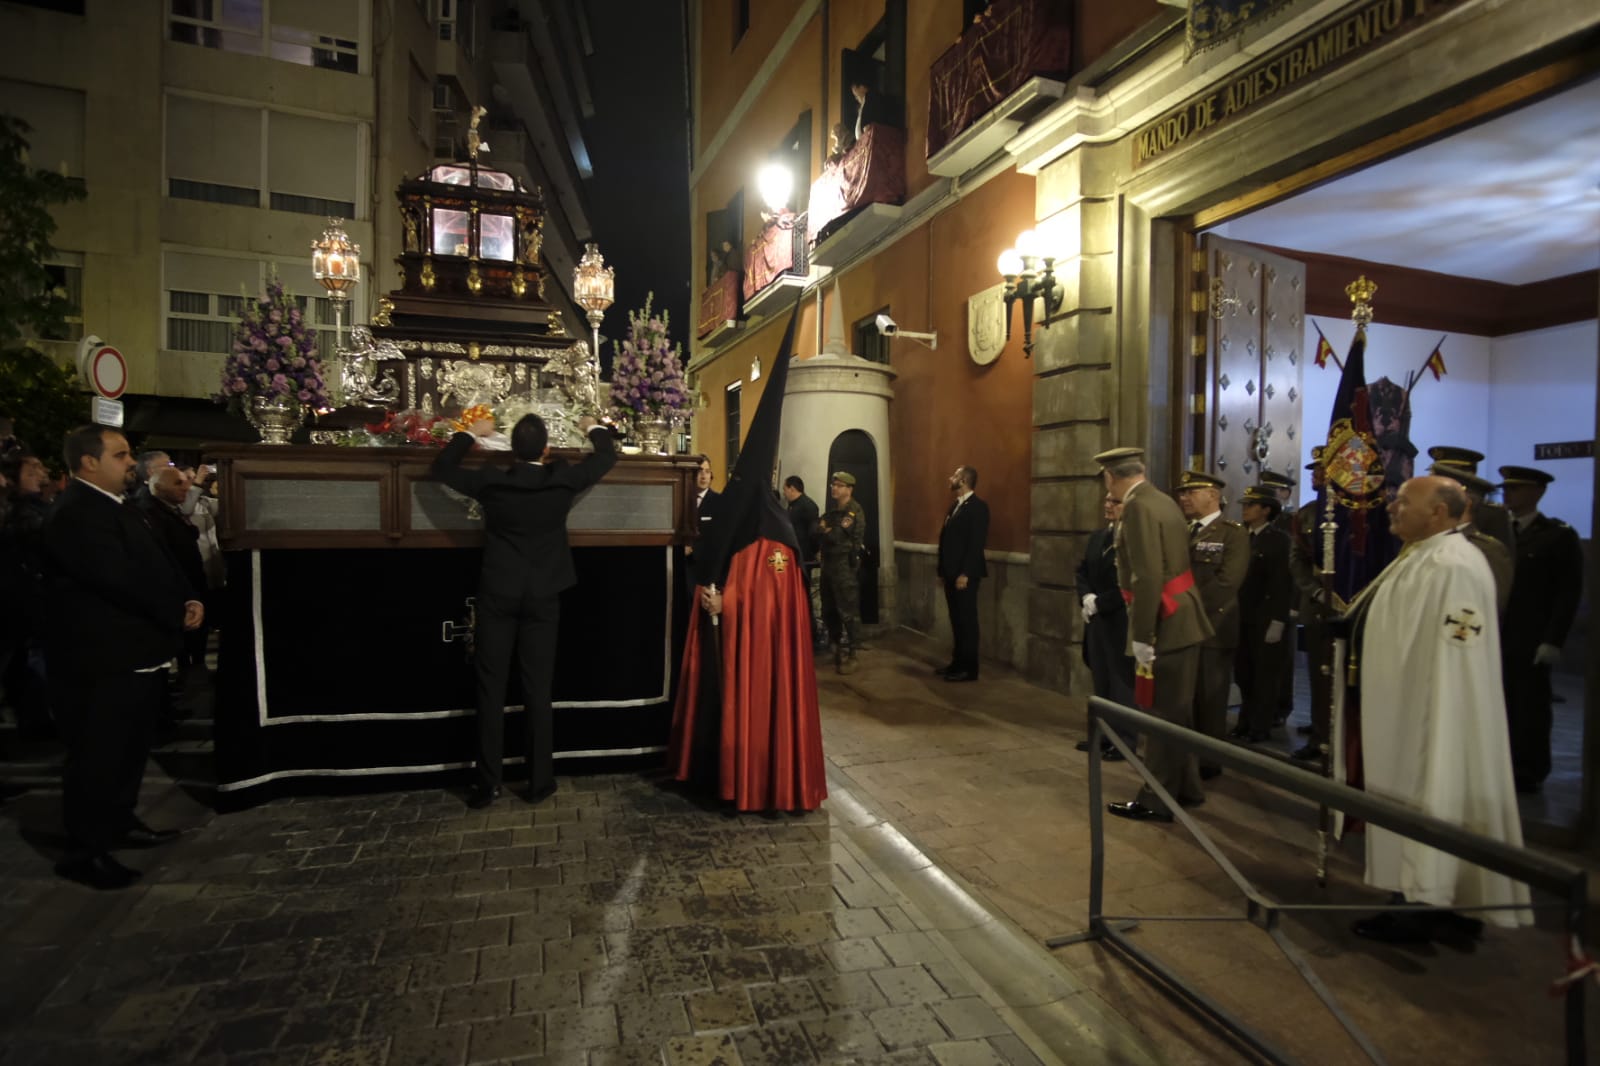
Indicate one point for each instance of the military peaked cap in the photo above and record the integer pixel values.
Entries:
(1465, 478)
(1525, 475)
(1262, 495)
(1119, 455)
(844, 477)
(1199, 479)
(1461, 458)
(1277, 480)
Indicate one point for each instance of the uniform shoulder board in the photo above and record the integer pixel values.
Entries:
(1229, 522)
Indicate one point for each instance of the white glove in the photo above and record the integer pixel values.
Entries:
(1090, 606)
(1144, 654)
(1274, 631)
(1547, 655)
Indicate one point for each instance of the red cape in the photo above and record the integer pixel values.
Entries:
(771, 736)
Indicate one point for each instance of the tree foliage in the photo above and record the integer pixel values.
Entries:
(43, 397)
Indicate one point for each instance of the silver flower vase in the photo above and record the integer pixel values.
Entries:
(652, 434)
(275, 417)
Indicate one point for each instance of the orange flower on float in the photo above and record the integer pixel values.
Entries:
(473, 415)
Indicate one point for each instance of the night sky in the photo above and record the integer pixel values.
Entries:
(638, 143)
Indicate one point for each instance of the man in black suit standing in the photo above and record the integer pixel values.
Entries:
(526, 565)
(1265, 600)
(803, 516)
(117, 610)
(168, 488)
(1105, 622)
(961, 566)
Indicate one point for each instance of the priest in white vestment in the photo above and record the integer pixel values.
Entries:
(1434, 732)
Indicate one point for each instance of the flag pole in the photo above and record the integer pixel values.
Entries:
(1431, 352)
(1332, 352)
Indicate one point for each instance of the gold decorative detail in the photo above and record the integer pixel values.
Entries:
(519, 282)
(474, 350)
(466, 383)
(1361, 291)
(474, 279)
(558, 328)
(475, 143)
(1221, 300)
(541, 286)
(428, 278)
(385, 309)
(777, 562)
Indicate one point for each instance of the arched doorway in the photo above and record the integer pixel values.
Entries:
(854, 452)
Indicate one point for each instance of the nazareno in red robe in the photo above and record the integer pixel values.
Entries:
(762, 679)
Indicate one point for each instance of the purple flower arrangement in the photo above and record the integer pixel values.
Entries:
(274, 354)
(647, 372)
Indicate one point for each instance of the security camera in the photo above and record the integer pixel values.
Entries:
(887, 327)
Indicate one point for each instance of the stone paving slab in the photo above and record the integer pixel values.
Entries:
(618, 922)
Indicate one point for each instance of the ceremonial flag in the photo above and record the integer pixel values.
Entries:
(1435, 363)
(1355, 475)
(1324, 349)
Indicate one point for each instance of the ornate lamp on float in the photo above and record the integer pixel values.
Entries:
(1026, 282)
(594, 288)
(336, 264)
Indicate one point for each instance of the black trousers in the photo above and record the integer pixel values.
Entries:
(106, 721)
(1529, 715)
(963, 607)
(1104, 643)
(1258, 667)
(522, 626)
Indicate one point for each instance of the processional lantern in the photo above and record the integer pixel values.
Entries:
(336, 264)
(594, 288)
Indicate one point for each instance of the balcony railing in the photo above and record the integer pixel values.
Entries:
(1017, 40)
(719, 304)
(873, 171)
(778, 251)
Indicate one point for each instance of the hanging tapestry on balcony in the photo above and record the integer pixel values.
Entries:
(1213, 21)
(1011, 42)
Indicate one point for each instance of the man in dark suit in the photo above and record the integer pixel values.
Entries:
(1282, 486)
(1166, 624)
(168, 488)
(1305, 555)
(526, 565)
(1105, 622)
(1219, 552)
(803, 516)
(1545, 586)
(1265, 600)
(117, 610)
(962, 567)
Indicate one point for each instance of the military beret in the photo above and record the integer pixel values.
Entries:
(1262, 495)
(1463, 458)
(1277, 480)
(1525, 475)
(1199, 479)
(844, 477)
(1119, 455)
(1466, 478)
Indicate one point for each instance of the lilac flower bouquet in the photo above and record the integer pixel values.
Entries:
(274, 354)
(647, 372)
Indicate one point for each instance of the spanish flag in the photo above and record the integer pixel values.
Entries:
(1324, 349)
(1435, 363)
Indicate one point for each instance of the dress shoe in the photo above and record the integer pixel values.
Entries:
(540, 794)
(1107, 752)
(1455, 928)
(1309, 753)
(481, 796)
(1393, 928)
(97, 870)
(1209, 772)
(139, 835)
(960, 675)
(1138, 812)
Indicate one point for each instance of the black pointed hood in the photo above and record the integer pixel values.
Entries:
(749, 506)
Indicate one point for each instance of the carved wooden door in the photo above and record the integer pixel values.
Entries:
(1255, 317)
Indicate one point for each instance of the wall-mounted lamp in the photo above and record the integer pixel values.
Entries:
(776, 184)
(1025, 281)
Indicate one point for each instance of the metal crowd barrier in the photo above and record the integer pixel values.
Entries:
(1539, 872)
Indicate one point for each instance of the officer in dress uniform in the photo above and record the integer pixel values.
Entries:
(841, 534)
(1305, 554)
(1219, 555)
(1497, 555)
(1265, 600)
(1492, 518)
(1545, 586)
(1283, 486)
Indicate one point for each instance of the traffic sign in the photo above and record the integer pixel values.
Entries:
(104, 412)
(108, 372)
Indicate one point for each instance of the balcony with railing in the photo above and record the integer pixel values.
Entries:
(1010, 64)
(776, 264)
(857, 196)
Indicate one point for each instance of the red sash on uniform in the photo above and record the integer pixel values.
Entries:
(1144, 682)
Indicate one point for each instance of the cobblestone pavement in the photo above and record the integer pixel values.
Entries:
(617, 923)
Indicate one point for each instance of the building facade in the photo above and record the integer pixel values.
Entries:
(215, 137)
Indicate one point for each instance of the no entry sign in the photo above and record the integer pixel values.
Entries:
(108, 372)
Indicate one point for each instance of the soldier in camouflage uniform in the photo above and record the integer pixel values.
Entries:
(841, 533)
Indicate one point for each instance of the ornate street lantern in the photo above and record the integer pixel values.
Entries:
(594, 287)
